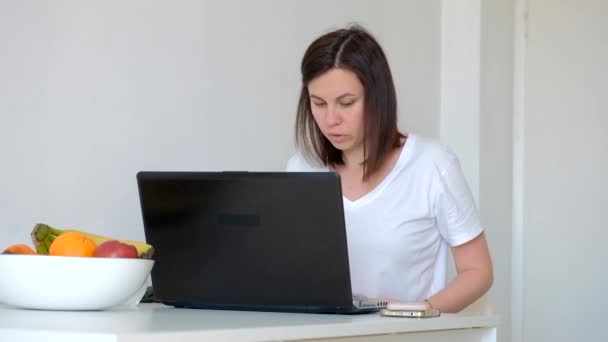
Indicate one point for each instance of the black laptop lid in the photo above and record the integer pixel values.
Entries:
(246, 239)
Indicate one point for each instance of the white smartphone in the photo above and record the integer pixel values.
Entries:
(411, 313)
(411, 309)
(408, 306)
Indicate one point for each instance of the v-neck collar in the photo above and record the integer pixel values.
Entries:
(369, 196)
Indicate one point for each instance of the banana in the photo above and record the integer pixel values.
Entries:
(43, 235)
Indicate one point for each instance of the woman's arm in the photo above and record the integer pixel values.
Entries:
(475, 276)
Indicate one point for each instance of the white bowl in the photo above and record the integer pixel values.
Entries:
(71, 283)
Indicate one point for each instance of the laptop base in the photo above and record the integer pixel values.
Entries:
(277, 308)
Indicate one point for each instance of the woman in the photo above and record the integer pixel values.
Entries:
(406, 202)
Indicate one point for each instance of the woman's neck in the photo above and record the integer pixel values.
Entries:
(353, 158)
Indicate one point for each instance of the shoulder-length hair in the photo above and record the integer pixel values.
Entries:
(356, 50)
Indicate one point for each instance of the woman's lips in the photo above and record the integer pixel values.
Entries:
(336, 137)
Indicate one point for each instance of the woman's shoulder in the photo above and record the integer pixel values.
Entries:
(431, 152)
(300, 163)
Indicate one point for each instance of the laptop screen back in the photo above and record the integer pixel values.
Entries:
(247, 238)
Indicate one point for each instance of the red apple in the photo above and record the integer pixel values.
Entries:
(115, 249)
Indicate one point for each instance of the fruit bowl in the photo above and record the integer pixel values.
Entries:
(71, 283)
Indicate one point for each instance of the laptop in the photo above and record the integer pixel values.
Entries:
(268, 241)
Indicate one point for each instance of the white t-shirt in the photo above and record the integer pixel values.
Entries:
(399, 234)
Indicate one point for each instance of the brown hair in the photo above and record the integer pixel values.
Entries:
(356, 50)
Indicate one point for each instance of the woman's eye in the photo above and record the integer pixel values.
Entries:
(347, 104)
(319, 104)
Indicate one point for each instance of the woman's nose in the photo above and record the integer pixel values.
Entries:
(333, 116)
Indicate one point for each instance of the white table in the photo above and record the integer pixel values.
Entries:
(156, 322)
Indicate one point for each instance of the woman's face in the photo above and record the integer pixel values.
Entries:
(337, 101)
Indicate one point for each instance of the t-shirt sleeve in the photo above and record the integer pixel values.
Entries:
(292, 164)
(455, 209)
(298, 163)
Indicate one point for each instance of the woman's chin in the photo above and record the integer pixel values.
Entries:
(339, 145)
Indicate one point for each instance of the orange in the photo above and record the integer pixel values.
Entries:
(72, 244)
(19, 249)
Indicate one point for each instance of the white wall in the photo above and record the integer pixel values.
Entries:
(92, 92)
(565, 168)
(496, 162)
